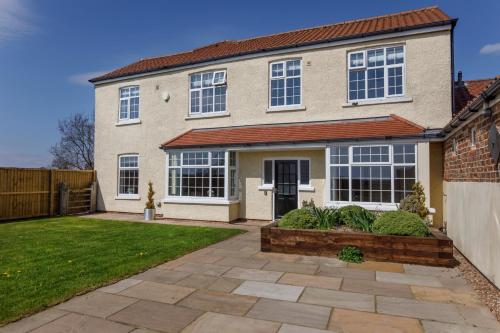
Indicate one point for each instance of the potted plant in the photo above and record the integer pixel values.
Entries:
(150, 211)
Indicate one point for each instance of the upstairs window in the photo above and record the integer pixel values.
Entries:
(376, 73)
(285, 85)
(207, 92)
(129, 103)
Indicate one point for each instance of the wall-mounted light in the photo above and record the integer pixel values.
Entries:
(165, 96)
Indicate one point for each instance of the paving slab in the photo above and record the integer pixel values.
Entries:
(290, 312)
(157, 316)
(360, 322)
(343, 272)
(437, 327)
(381, 266)
(287, 328)
(225, 284)
(216, 301)
(327, 261)
(290, 267)
(96, 304)
(304, 280)
(278, 256)
(243, 262)
(201, 258)
(162, 276)
(222, 323)
(419, 309)
(340, 299)
(74, 322)
(119, 286)
(230, 253)
(198, 281)
(159, 292)
(269, 290)
(411, 279)
(376, 288)
(143, 330)
(253, 274)
(207, 269)
(443, 295)
(479, 317)
(32, 322)
(430, 270)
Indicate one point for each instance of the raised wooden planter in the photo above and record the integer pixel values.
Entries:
(436, 250)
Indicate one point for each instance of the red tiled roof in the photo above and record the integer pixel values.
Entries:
(371, 128)
(412, 19)
(467, 92)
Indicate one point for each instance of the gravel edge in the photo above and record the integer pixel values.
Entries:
(487, 291)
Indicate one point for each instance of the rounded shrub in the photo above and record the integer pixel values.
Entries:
(356, 217)
(400, 223)
(298, 219)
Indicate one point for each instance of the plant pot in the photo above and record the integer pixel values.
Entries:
(149, 214)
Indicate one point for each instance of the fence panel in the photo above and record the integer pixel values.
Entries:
(28, 193)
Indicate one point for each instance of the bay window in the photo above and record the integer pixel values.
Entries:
(207, 92)
(381, 174)
(202, 174)
(376, 73)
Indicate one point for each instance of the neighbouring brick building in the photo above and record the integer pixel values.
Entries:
(471, 185)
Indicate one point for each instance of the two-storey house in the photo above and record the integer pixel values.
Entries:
(249, 129)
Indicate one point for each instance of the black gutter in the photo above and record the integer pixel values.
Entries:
(474, 107)
(416, 27)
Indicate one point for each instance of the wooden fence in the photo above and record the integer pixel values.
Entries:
(26, 193)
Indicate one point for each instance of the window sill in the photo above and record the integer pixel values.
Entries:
(306, 188)
(265, 187)
(200, 201)
(128, 197)
(388, 100)
(128, 122)
(286, 108)
(213, 115)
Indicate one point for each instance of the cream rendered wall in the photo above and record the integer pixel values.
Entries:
(220, 213)
(472, 217)
(324, 81)
(257, 204)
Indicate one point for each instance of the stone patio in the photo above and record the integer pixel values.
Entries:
(233, 287)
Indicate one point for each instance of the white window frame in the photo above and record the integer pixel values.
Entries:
(200, 90)
(284, 77)
(300, 186)
(368, 205)
(386, 67)
(120, 99)
(127, 195)
(226, 199)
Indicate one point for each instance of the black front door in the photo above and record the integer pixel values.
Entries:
(285, 198)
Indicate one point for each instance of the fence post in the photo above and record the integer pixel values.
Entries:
(63, 199)
(93, 197)
(51, 192)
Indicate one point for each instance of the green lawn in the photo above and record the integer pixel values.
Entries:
(45, 261)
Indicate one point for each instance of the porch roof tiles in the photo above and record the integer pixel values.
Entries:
(368, 128)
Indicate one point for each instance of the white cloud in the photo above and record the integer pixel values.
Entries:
(490, 49)
(83, 78)
(15, 20)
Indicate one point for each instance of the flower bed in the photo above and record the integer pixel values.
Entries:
(435, 250)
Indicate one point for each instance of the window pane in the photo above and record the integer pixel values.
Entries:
(233, 183)
(304, 172)
(339, 155)
(395, 55)
(292, 91)
(404, 178)
(339, 183)
(376, 83)
(207, 100)
(195, 81)
(207, 79)
(195, 158)
(129, 161)
(404, 153)
(134, 108)
(356, 59)
(268, 172)
(293, 68)
(218, 158)
(124, 92)
(195, 182)
(129, 181)
(232, 158)
(277, 70)
(174, 182)
(395, 77)
(220, 99)
(277, 92)
(375, 57)
(195, 101)
(124, 109)
(217, 182)
(219, 77)
(356, 84)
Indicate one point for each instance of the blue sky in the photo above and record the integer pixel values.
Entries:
(49, 48)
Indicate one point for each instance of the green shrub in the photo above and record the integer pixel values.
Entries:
(415, 201)
(401, 223)
(356, 217)
(351, 254)
(308, 204)
(298, 219)
(326, 218)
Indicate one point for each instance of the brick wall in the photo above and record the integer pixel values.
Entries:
(472, 164)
